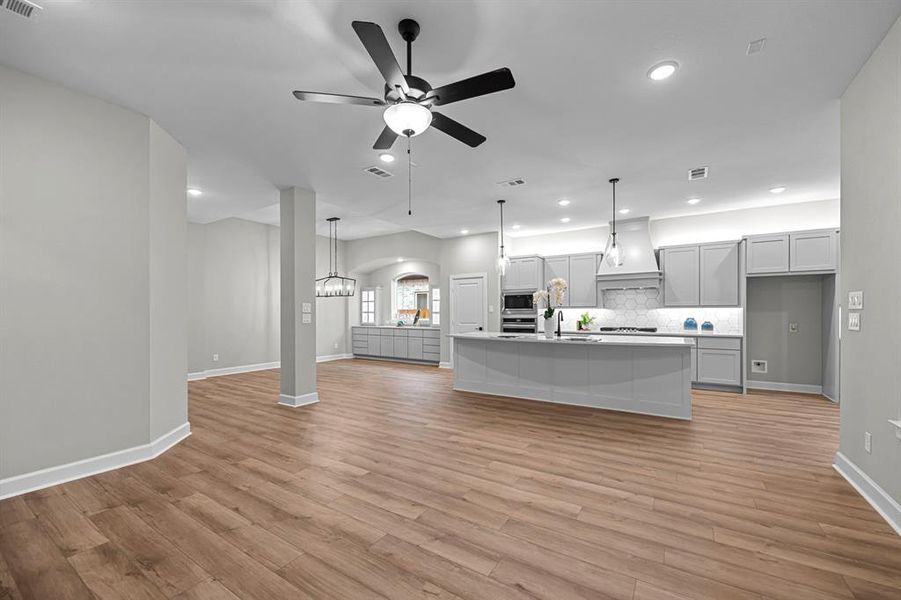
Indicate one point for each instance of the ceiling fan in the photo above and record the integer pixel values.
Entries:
(409, 99)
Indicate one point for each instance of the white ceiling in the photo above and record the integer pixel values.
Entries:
(219, 76)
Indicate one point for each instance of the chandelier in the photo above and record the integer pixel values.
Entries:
(334, 285)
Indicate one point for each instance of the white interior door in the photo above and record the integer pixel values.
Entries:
(468, 304)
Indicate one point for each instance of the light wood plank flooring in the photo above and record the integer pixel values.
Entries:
(394, 486)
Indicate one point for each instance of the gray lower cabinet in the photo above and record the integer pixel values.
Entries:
(719, 361)
(397, 343)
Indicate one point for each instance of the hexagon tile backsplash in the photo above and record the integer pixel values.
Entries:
(643, 308)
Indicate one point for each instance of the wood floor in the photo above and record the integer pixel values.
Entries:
(394, 486)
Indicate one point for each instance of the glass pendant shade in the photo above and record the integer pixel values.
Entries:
(407, 116)
(503, 263)
(613, 253)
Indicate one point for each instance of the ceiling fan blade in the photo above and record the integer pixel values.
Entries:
(456, 130)
(376, 44)
(386, 139)
(337, 98)
(486, 83)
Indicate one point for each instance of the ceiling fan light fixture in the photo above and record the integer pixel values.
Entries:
(405, 117)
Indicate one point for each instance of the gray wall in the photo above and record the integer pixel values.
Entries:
(773, 303)
(831, 344)
(92, 281)
(871, 244)
(234, 296)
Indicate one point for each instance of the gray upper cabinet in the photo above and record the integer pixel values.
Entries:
(719, 274)
(558, 266)
(681, 276)
(702, 275)
(583, 288)
(767, 254)
(813, 250)
(796, 252)
(524, 273)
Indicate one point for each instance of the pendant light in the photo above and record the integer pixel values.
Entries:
(503, 261)
(613, 254)
(333, 285)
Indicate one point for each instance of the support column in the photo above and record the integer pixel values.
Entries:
(298, 287)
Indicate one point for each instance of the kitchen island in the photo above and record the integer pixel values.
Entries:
(648, 375)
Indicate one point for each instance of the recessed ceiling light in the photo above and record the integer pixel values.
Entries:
(564, 220)
(663, 70)
(625, 211)
(517, 226)
(386, 158)
(194, 192)
(400, 259)
(778, 190)
(464, 231)
(563, 202)
(693, 200)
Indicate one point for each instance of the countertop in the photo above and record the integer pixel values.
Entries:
(695, 334)
(592, 340)
(435, 327)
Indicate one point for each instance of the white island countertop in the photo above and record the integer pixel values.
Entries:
(572, 338)
(640, 374)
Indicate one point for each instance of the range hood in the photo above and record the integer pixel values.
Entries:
(639, 268)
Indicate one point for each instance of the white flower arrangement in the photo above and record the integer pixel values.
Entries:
(552, 296)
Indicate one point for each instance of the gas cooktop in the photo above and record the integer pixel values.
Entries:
(628, 329)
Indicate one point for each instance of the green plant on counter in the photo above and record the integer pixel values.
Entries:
(585, 321)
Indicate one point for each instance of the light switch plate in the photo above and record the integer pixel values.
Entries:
(853, 321)
(307, 319)
(855, 300)
(306, 307)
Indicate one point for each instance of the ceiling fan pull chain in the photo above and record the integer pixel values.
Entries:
(409, 178)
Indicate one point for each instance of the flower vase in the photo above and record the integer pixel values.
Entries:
(550, 325)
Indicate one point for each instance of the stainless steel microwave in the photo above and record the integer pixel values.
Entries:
(518, 303)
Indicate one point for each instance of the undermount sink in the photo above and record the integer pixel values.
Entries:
(508, 337)
(576, 339)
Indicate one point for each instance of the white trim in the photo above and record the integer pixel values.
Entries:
(197, 376)
(36, 480)
(298, 401)
(242, 369)
(884, 504)
(331, 357)
(801, 388)
(445, 365)
(830, 398)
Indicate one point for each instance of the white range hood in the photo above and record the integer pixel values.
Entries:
(639, 268)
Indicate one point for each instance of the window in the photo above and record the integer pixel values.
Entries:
(367, 306)
(436, 306)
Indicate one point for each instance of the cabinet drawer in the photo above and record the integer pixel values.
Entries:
(431, 333)
(414, 333)
(720, 343)
(387, 331)
(400, 332)
(721, 367)
(431, 356)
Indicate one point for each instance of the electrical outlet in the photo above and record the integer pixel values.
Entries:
(868, 441)
(793, 328)
(307, 319)
(215, 358)
(758, 366)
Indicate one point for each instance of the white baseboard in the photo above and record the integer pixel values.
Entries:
(331, 357)
(775, 386)
(298, 401)
(445, 365)
(884, 504)
(257, 367)
(36, 480)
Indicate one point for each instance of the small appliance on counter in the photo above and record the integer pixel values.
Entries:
(706, 326)
(690, 324)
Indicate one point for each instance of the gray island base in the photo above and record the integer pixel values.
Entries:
(646, 375)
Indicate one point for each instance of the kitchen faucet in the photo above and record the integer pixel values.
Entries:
(559, 322)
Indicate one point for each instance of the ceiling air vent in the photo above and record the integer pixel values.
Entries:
(512, 182)
(697, 173)
(756, 46)
(23, 8)
(378, 172)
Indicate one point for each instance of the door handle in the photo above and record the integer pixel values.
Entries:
(480, 329)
